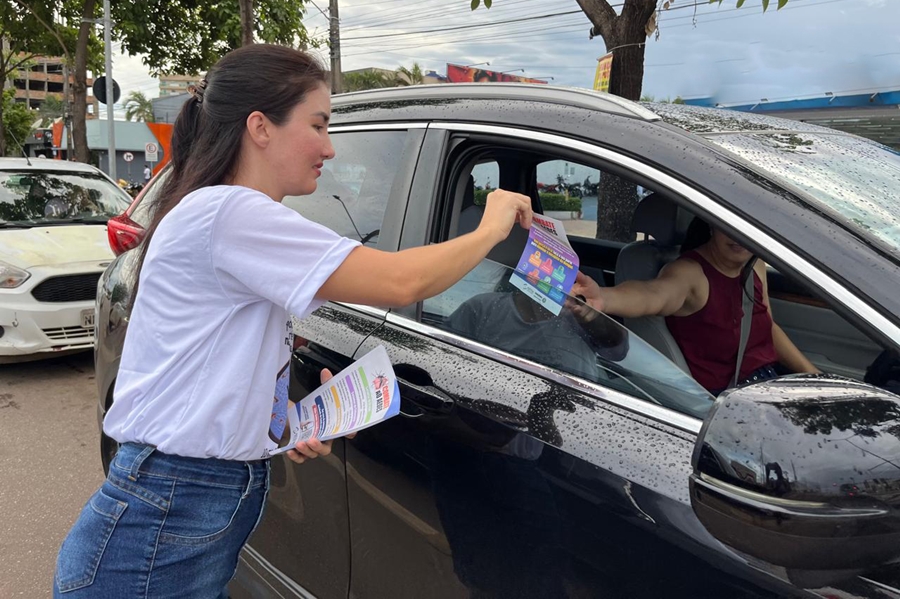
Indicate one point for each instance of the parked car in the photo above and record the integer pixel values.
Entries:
(522, 468)
(53, 248)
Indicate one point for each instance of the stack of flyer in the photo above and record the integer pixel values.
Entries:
(363, 394)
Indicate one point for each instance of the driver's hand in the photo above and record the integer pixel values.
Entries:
(588, 288)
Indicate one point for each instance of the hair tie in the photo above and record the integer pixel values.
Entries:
(198, 90)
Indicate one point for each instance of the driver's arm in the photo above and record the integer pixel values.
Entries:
(788, 353)
(667, 294)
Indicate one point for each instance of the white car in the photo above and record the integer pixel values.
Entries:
(53, 249)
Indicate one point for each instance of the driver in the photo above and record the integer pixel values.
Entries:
(700, 295)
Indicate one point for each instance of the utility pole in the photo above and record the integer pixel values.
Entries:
(337, 83)
(67, 110)
(110, 98)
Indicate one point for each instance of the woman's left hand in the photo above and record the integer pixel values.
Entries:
(310, 450)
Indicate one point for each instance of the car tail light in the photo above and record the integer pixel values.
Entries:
(124, 234)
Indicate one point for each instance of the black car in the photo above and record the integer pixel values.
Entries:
(569, 465)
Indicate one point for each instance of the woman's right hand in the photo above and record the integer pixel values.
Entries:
(502, 210)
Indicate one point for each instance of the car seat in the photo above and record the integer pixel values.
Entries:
(665, 223)
(508, 251)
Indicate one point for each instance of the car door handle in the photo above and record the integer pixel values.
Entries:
(425, 399)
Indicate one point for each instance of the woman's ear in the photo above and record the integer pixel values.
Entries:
(258, 129)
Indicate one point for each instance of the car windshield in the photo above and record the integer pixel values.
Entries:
(489, 306)
(857, 181)
(46, 197)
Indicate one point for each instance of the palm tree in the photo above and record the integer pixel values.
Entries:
(138, 107)
(370, 79)
(413, 76)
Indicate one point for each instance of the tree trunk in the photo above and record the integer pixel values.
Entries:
(627, 41)
(79, 86)
(616, 202)
(246, 7)
(5, 57)
(625, 35)
(2, 130)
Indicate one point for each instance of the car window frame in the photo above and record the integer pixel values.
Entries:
(400, 193)
(690, 197)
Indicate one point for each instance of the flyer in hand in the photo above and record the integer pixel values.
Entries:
(363, 394)
(546, 271)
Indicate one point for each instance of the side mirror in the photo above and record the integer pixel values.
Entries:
(802, 472)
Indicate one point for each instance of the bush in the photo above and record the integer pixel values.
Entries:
(549, 201)
(558, 201)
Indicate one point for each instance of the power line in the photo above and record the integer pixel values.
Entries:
(571, 28)
(510, 34)
(535, 18)
(419, 16)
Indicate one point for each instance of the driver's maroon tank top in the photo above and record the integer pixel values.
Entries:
(709, 338)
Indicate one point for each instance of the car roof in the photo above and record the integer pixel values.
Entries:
(698, 120)
(44, 164)
(548, 94)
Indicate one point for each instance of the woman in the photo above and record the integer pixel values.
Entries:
(700, 294)
(223, 266)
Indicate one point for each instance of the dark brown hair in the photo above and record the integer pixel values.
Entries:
(206, 138)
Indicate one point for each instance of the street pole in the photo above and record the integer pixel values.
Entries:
(67, 110)
(110, 117)
(337, 84)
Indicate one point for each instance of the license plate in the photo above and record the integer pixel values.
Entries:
(87, 319)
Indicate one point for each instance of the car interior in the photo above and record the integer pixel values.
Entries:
(659, 223)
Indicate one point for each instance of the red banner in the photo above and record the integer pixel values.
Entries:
(461, 74)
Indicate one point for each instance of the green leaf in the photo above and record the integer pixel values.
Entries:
(781, 4)
(765, 5)
(740, 3)
(475, 4)
(487, 3)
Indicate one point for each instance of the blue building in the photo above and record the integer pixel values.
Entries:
(874, 115)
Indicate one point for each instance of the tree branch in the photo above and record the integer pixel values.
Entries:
(52, 30)
(11, 68)
(601, 15)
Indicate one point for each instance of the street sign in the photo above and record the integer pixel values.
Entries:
(151, 151)
(128, 156)
(100, 90)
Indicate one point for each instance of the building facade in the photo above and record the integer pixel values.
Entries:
(874, 114)
(44, 76)
(171, 85)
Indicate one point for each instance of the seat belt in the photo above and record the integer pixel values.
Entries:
(747, 305)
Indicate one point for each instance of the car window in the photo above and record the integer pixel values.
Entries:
(575, 193)
(486, 307)
(33, 196)
(354, 187)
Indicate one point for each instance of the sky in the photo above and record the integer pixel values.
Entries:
(736, 56)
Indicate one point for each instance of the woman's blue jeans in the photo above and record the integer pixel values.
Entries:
(162, 526)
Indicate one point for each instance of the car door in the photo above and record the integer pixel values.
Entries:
(509, 473)
(302, 545)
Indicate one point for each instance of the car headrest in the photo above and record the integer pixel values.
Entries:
(658, 217)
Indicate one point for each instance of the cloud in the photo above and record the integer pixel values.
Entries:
(807, 48)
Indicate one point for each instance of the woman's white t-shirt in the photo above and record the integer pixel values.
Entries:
(210, 332)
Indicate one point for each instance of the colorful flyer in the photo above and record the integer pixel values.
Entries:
(363, 394)
(546, 271)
